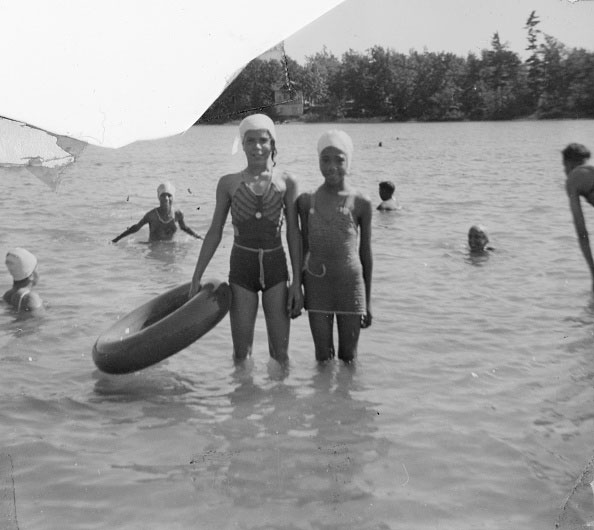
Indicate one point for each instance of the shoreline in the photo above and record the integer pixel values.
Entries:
(386, 119)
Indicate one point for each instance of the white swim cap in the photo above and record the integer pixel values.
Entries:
(256, 122)
(20, 263)
(338, 139)
(166, 187)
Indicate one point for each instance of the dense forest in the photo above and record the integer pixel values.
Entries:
(553, 82)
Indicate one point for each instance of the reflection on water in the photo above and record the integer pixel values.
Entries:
(389, 218)
(150, 384)
(18, 332)
(166, 252)
(478, 259)
(293, 448)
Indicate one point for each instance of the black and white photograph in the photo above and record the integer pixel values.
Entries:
(311, 265)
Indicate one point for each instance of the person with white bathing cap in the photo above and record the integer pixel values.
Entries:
(336, 231)
(260, 198)
(22, 266)
(162, 220)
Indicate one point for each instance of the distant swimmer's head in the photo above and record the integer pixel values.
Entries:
(386, 190)
(334, 141)
(575, 155)
(477, 238)
(254, 129)
(21, 264)
(166, 187)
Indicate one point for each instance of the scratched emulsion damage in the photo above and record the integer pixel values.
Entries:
(577, 512)
(42, 153)
(288, 83)
(8, 516)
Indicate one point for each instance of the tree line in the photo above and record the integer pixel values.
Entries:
(553, 82)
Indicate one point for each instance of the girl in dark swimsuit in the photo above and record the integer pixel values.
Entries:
(336, 228)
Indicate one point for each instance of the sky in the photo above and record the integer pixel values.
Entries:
(457, 26)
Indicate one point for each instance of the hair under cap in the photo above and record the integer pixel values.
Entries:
(166, 187)
(256, 122)
(338, 139)
(20, 263)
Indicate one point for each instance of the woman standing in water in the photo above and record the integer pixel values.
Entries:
(579, 183)
(162, 220)
(336, 228)
(258, 198)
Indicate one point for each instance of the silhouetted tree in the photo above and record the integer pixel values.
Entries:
(533, 62)
(579, 74)
(554, 86)
(501, 81)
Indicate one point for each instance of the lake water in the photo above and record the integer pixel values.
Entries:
(470, 405)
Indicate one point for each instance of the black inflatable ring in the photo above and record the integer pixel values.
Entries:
(160, 328)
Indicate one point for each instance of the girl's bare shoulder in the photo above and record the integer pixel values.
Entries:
(32, 301)
(150, 217)
(230, 178)
(284, 181)
(304, 200)
(361, 199)
(228, 183)
(362, 206)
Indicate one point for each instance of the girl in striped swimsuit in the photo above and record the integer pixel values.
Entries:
(258, 199)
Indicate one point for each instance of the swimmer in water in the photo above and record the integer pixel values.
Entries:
(386, 193)
(163, 220)
(22, 266)
(579, 183)
(478, 240)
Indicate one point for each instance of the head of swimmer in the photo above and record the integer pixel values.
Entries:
(31, 280)
(166, 201)
(477, 238)
(22, 266)
(574, 155)
(386, 190)
(258, 146)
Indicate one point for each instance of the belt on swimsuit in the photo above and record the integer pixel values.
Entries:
(261, 252)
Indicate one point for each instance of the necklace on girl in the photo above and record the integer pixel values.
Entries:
(161, 219)
(247, 176)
